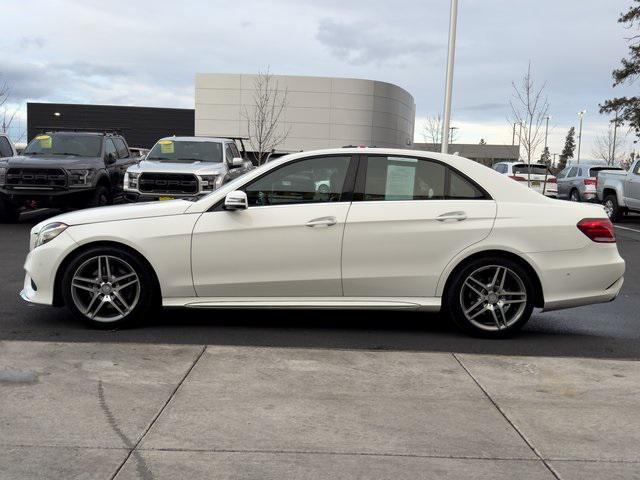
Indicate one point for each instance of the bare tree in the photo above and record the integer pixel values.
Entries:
(432, 130)
(7, 116)
(609, 146)
(265, 116)
(529, 108)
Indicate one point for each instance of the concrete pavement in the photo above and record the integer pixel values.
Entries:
(134, 411)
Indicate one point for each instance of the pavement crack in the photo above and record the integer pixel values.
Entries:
(141, 466)
(506, 417)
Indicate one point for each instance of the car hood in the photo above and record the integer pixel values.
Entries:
(53, 161)
(202, 168)
(119, 212)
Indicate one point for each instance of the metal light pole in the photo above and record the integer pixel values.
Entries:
(522, 124)
(451, 129)
(513, 136)
(613, 146)
(546, 131)
(581, 115)
(453, 18)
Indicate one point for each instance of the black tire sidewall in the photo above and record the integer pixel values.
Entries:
(145, 301)
(100, 191)
(616, 209)
(577, 194)
(452, 296)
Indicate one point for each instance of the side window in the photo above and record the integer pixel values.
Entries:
(572, 172)
(403, 178)
(110, 148)
(315, 180)
(563, 173)
(636, 170)
(5, 148)
(228, 153)
(234, 149)
(121, 147)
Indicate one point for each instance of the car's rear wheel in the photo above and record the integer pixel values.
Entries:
(107, 287)
(611, 207)
(574, 196)
(491, 297)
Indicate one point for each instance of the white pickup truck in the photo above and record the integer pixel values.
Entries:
(619, 190)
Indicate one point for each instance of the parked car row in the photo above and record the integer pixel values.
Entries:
(74, 169)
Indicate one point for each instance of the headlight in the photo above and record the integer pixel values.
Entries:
(131, 180)
(49, 232)
(3, 175)
(81, 178)
(210, 182)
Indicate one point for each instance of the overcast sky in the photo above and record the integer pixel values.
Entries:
(147, 52)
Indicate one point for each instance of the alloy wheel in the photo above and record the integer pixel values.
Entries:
(493, 298)
(609, 208)
(105, 288)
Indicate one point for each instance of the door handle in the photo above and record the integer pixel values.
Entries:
(453, 216)
(322, 222)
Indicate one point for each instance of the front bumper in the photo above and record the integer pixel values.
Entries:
(41, 268)
(45, 198)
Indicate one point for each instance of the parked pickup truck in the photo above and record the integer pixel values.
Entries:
(64, 169)
(183, 167)
(619, 190)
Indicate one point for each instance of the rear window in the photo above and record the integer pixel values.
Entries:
(595, 170)
(532, 169)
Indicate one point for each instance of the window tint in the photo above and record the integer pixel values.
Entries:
(401, 178)
(572, 172)
(315, 180)
(5, 148)
(234, 149)
(109, 148)
(121, 147)
(186, 151)
(65, 144)
(533, 169)
(229, 153)
(501, 167)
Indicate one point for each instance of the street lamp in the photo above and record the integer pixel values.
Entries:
(451, 129)
(546, 132)
(581, 115)
(453, 18)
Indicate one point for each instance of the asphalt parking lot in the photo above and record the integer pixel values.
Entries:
(322, 395)
(601, 331)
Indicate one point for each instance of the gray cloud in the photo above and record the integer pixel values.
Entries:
(360, 43)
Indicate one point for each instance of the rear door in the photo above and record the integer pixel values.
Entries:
(409, 217)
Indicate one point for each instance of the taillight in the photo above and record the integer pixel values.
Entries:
(589, 181)
(517, 178)
(598, 229)
(552, 180)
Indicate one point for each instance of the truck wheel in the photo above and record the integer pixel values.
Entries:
(8, 213)
(611, 207)
(101, 197)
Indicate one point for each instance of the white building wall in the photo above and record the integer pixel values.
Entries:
(322, 112)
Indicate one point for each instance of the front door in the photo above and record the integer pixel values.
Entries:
(287, 243)
(632, 188)
(409, 218)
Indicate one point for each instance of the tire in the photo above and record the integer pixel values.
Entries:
(100, 197)
(612, 208)
(574, 196)
(8, 212)
(121, 297)
(475, 304)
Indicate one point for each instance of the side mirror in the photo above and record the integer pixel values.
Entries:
(236, 162)
(111, 158)
(236, 200)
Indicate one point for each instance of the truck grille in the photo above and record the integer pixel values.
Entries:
(36, 178)
(168, 183)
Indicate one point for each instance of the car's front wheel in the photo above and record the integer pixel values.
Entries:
(107, 287)
(490, 297)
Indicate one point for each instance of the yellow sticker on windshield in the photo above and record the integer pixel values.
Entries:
(45, 141)
(166, 146)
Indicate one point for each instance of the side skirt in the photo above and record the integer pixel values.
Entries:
(431, 304)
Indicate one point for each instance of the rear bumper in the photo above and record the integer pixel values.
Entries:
(594, 274)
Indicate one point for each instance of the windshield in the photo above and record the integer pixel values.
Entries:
(532, 169)
(65, 144)
(186, 151)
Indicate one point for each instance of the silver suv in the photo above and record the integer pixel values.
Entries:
(184, 166)
(577, 182)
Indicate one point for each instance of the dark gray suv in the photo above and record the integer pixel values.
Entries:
(577, 182)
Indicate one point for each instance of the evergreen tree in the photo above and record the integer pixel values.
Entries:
(569, 147)
(546, 157)
(482, 142)
(627, 109)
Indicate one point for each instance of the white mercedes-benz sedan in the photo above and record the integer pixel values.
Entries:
(341, 228)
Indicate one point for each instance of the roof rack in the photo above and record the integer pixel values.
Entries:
(105, 131)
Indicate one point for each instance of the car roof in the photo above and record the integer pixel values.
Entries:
(197, 139)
